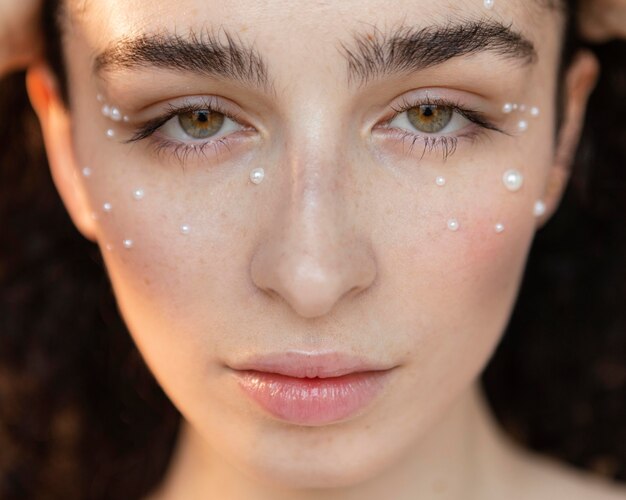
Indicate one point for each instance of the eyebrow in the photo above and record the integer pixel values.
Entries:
(408, 49)
(207, 54)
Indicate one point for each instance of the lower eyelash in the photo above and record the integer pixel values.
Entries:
(181, 151)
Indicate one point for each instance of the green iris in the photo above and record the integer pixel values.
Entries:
(201, 124)
(430, 118)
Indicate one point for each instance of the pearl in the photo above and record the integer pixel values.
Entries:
(257, 175)
(513, 180)
(138, 194)
(507, 108)
(534, 111)
(514, 106)
(126, 118)
(115, 114)
(440, 181)
(185, 229)
(107, 207)
(110, 133)
(106, 110)
(499, 228)
(522, 107)
(453, 225)
(522, 126)
(99, 97)
(86, 171)
(94, 215)
(128, 243)
(109, 247)
(539, 209)
(489, 4)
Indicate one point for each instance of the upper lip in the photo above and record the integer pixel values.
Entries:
(308, 365)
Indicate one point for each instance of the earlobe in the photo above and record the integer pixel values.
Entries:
(580, 80)
(56, 127)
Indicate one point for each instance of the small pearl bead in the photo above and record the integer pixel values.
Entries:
(106, 110)
(109, 247)
(534, 111)
(453, 225)
(86, 171)
(513, 180)
(94, 215)
(522, 126)
(99, 97)
(128, 243)
(115, 114)
(539, 209)
(440, 181)
(507, 108)
(514, 106)
(126, 118)
(522, 107)
(257, 175)
(185, 229)
(138, 194)
(489, 4)
(499, 228)
(107, 207)
(110, 133)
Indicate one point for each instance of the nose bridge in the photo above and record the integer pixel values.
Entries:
(313, 254)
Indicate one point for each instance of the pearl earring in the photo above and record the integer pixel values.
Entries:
(539, 209)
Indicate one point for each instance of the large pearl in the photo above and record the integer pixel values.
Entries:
(513, 180)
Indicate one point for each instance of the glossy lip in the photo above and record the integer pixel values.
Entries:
(308, 365)
(311, 389)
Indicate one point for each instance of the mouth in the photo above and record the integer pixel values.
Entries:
(311, 389)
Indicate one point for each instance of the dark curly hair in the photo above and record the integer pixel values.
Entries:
(81, 416)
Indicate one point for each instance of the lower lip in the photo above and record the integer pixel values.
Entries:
(312, 401)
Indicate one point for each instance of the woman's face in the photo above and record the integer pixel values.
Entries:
(382, 229)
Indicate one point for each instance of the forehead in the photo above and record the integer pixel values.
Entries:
(308, 21)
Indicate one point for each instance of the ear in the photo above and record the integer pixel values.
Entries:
(55, 123)
(580, 80)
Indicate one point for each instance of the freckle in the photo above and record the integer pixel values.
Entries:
(147, 281)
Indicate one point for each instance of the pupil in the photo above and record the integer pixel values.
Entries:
(428, 111)
(202, 117)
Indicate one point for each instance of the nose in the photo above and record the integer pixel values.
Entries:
(315, 253)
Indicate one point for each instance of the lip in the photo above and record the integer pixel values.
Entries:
(311, 389)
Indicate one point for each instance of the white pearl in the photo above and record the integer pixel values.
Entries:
(138, 194)
(99, 97)
(185, 229)
(489, 4)
(499, 228)
(522, 126)
(107, 207)
(86, 171)
(453, 225)
(106, 110)
(115, 114)
(110, 133)
(514, 106)
(507, 108)
(126, 118)
(128, 243)
(539, 209)
(257, 175)
(534, 111)
(513, 180)
(440, 181)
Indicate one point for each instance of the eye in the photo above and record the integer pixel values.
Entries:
(198, 124)
(430, 119)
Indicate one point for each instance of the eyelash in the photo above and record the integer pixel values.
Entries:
(446, 143)
(181, 150)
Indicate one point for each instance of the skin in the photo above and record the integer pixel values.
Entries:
(343, 247)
